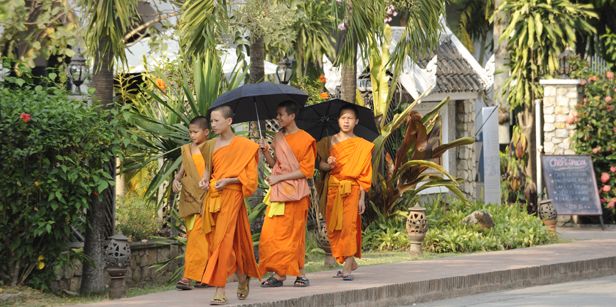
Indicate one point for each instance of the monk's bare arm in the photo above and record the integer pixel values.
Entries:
(292, 175)
(177, 185)
(268, 157)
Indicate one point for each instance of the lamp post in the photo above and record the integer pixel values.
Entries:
(284, 71)
(78, 71)
(564, 65)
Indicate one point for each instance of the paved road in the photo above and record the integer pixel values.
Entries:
(593, 292)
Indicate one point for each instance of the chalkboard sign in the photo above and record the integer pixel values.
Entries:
(571, 184)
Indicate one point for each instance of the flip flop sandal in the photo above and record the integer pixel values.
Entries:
(181, 285)
(217, 301)
(201, 285)
(271, 282)
(301, 282)
(243, 289)
(339, 274)
(347, 277)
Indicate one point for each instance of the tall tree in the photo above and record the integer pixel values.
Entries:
(107, 21)
(537, 33)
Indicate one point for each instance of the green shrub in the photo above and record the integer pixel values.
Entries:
(514, 228)
(595, 133)
(136, 217)
(52, 154)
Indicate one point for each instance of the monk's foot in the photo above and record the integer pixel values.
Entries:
(243, 288)
(201, 285)
(271, 282)
(354, 265)
(183, 284)
(219, 299)
(301, 282)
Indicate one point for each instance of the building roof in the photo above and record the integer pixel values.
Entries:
(453, 72)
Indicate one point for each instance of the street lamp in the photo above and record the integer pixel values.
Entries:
(364, 84)
(564, 64)
(284, 71)
(78, 71)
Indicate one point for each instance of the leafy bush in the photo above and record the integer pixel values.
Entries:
(514, 228)
(136, 217)
(52, 154)
(596, 133)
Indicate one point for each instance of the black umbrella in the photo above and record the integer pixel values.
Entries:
(321, 120)
(258, 101)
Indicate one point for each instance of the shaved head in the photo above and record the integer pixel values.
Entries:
(226, 111)
(200, 121)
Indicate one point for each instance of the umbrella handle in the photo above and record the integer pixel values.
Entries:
(258, 120)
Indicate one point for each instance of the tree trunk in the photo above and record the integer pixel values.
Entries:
(100, 216)
(500, 56)
(349, 81)
(257, 56)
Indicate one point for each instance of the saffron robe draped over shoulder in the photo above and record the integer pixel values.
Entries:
(229, 233)
(197, 249)
(282, 246)
(352, 173)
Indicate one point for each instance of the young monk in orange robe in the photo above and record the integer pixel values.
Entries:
(186, 182)
(225, 219)
(282, 245)
(350, 177)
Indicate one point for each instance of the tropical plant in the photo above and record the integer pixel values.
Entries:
(537, 33)
(163, 108)
(54, 152)
(474, 24)
(201, 26)
(314, 24)
(411, 170)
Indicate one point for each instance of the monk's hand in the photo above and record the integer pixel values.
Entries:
(221, 183)
(177, 185)
(331, 161)
(204, 184)
(263, 145)
(362, 203)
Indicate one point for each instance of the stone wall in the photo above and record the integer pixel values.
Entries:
(560, 96)
(144, 255)
(466, 164)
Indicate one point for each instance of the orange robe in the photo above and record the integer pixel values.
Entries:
(282, 245)
(196, 254)
(352, 172)
(230, 238)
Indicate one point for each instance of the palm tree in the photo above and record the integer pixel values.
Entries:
(107, 23)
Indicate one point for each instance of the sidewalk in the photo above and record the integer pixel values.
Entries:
(418, 281)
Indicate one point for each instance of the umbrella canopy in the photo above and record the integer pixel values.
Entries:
(258, 101)
(321, 120)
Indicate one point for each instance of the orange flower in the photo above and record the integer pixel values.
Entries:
(160, 83)
(322, 78)
(324, 95)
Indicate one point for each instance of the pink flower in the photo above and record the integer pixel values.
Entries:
(342, 26)
(613, 169)
(609, 75)
(603, 200)
(605, 177)
(611, 204)
(596, 150)
(608, 99)
(593, 78)
(571, 119)
(606, 188)
(610, 108)
(25, 117)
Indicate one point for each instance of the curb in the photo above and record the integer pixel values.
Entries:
(449, 287)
